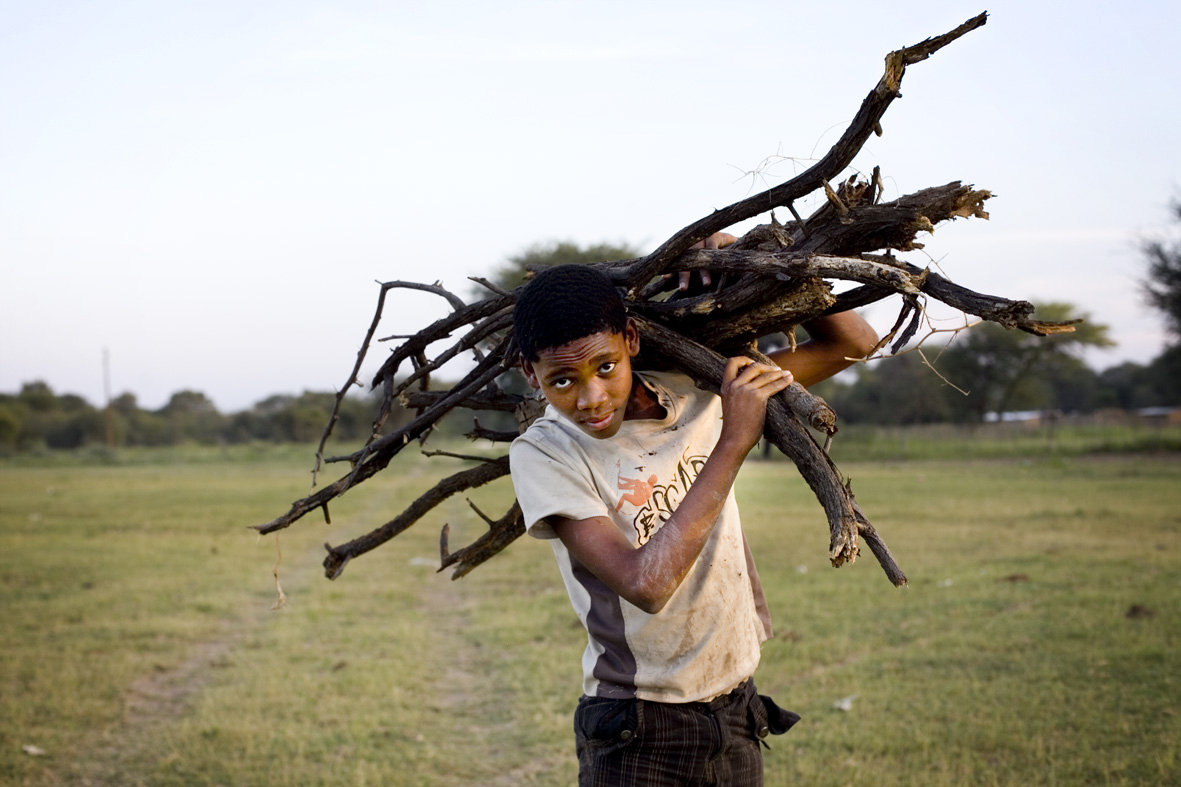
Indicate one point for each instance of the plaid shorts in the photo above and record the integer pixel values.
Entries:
(657, 744)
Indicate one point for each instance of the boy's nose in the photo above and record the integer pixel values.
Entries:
(592, 395)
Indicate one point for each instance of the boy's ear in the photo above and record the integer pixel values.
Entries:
(631, 335)
(530, 373)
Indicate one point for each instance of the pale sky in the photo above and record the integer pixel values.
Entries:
(210, 190)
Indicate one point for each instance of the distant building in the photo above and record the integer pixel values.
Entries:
(1159, 416)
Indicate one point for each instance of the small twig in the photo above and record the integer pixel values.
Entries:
(803, 225)
(282, 599)
(502, 532)
(466, 457)
(478, 432)
(490, 285)
(911, 328)
(938, 374)
(481, 331)
(841, 208)
(353, 378)
(487, 519)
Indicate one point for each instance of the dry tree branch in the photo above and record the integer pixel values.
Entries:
(339, 556)
(776, 277)
(374, 457)
(354, 379)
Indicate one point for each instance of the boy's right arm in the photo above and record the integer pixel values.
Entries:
(647, 576)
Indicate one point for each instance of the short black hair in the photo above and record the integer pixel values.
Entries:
(563, 304)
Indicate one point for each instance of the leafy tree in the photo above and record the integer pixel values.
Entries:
(77, 428)
(1011, 370)
(900, 390)
(38, 397)
(10, 425)
(188, 403)
(513, 272)
(1072, 386)
(44, 418)
(1162, 284)
(190, 415)
(1162, 289)
(125, 404)
(1126, 386)
(1164, 376)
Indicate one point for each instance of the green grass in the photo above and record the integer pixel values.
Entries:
(863, 442)
(1010, 659)
(140, 646)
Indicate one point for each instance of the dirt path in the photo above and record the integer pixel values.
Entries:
(474, 697)
(165, 694)
(468, 696)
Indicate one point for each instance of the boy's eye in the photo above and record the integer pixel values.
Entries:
(607, 368)
(561, 382)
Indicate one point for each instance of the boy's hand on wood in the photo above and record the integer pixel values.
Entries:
(719, 240)
(746, 387)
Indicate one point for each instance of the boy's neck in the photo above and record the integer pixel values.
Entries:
(642, 404)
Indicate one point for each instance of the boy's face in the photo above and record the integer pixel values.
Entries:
(588, 380)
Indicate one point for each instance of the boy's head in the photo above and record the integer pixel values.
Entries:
(576, 344)
(565, 303)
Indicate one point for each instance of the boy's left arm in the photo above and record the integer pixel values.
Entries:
(834, 343)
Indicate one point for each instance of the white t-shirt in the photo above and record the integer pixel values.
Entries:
(706, 639)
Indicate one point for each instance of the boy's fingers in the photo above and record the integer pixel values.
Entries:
(782, 384)
(758, 375)
(739, 371)
(685, 278)
(749, 372)
(733, 366)
(777, 377)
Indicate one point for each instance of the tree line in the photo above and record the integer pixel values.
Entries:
(37, 417)
(985, 369)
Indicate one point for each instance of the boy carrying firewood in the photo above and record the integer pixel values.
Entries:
(630, 476)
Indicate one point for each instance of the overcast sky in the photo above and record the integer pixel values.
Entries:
(210, 190)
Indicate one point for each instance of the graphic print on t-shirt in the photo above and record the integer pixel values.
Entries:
(657, 501)
(638, 492)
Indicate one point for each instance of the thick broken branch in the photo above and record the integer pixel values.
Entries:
(500, 534)
(338, 556)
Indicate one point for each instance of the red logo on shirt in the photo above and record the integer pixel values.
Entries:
(658, 501)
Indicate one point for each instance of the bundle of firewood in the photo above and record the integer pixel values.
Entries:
(776, 276)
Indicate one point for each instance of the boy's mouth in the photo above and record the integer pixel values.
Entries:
(600, 423)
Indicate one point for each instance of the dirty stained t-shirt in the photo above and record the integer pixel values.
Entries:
(707, 638)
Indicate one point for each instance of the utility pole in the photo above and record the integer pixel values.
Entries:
(107, 393)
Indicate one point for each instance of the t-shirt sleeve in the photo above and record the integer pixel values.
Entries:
(546, 486)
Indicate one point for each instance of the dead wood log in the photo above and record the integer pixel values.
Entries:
(776, 276)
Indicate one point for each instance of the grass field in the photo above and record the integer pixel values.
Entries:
(1038, 643)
